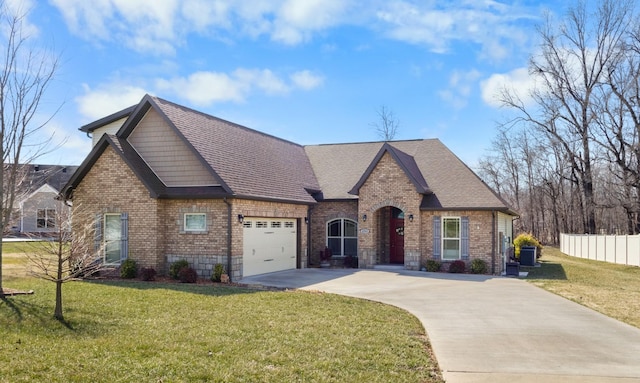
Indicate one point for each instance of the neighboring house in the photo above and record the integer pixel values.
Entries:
(35, 201)
(166, 182)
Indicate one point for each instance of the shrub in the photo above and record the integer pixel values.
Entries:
(457, 267)
(176, 266)
(188, 275)
(218, 270)
(478, 266)
(432, 265)
(128, 269)
(148, 274)
(526, 239)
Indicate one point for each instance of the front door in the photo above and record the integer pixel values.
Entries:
(396, 237)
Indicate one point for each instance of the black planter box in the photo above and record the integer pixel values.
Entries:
(513, 269)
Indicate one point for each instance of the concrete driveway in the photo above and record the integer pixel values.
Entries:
(491, 329)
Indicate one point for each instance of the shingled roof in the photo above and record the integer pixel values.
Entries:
(449, 183)
(250, 164)
(255, 165)
(35, 176)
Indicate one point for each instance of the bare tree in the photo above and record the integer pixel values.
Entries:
(25, 75)
(387, 125)
(574, 59)
(68, 257)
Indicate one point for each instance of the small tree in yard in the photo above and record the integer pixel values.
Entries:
(25, 74)
(67, 257)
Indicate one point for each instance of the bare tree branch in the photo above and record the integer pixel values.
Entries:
(387, 125)
(25, 76)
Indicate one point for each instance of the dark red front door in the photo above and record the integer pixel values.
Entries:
(396, 239)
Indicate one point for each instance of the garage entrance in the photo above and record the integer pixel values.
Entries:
(269, 245)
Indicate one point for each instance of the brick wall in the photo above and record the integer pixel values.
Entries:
(111, 187)
(321, 214)
(388, 185)
(480, 236)
(156, 227)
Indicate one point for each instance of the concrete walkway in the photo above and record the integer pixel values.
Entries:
(491, 329)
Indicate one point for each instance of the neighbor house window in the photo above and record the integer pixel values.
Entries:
(342, 237)
(195, 222)
(46, 218)
(450, 238)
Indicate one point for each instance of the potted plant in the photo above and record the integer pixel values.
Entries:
(325, 257)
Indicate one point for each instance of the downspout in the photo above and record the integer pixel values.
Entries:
(493, 242)
(229, 238)
(309, 210)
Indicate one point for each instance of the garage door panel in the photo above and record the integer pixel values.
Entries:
(269, 245)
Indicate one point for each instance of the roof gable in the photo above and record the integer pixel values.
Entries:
(252, 164)
(406, 162)
(166, 153)
(452, 185)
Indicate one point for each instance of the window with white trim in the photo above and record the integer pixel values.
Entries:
(450, 238)
(342, 237)
(195, 221)
(46, 219)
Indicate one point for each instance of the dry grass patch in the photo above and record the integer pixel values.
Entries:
(611, 289)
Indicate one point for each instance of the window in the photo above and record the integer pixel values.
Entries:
(195, 222)
(450, 238)
(46, 219)
(112, 238)
(342, 237)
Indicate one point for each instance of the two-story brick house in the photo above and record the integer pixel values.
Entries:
(165, 182)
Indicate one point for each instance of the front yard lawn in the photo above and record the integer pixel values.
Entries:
(166, 332)
(611, 289)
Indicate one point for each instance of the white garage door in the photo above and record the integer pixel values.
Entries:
(269, 244)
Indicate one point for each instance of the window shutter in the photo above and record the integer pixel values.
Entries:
(124, 236)
(436, 237)
(464, 238)
(97, 235)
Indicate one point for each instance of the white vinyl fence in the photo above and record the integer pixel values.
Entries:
(622, 249)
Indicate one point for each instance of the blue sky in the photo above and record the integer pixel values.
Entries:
(309, 71)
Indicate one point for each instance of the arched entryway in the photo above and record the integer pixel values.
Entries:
(390, 238)
(396, 236)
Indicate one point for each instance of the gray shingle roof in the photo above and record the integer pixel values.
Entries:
(251, 163)
(255, 165)
(452, 184)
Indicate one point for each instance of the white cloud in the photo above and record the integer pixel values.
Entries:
(306, 80)
(205, 88)
(518, 82)
(107, 99)
(461, 85)
(163, 26)
(20, 9)
(491, 25)
(296, 20)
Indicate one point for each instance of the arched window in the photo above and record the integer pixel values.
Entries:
(342, 237)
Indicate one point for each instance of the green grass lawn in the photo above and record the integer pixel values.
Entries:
(170, 332)
(611, 289)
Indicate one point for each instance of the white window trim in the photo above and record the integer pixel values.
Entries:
(191, 230)
(47, 219)
(342, 237)
(459, 238)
